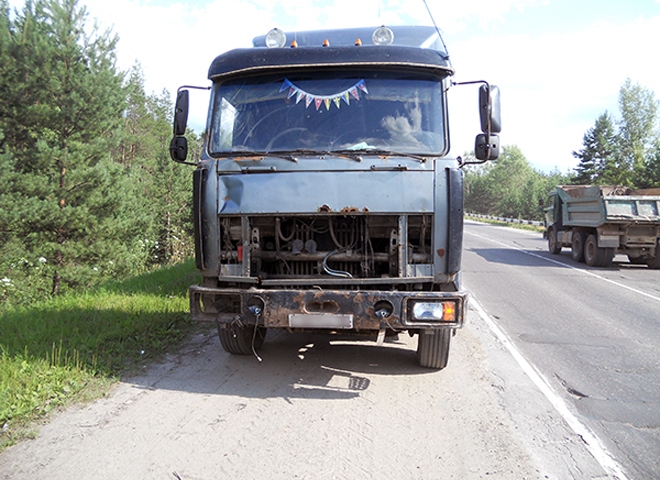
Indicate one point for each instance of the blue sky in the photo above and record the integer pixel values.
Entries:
(558, 63)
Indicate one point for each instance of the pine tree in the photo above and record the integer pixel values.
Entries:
(61, 125)
(598, 152)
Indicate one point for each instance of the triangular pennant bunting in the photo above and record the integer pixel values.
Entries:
(326, 100)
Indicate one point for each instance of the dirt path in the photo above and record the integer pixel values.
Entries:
(313, 409)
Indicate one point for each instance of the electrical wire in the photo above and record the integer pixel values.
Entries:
(330, 271)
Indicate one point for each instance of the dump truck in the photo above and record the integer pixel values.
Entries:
(599, 221)
(325, 199)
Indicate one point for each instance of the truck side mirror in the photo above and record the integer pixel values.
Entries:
(181, 113)
(487, 147)
(489, 109)
(179, 149)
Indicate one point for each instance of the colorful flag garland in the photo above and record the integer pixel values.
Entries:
(326, 100)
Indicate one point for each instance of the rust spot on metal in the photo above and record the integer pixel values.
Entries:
(324, 209)
(441, 252)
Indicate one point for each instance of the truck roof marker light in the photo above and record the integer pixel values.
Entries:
(326, 43)
(294, 44)
(358, 42)
(383, 36)
(275, 38)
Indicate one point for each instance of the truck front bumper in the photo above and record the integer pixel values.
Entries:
(329, 309)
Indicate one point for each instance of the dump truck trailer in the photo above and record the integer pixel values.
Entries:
(325, 199)
(599, 221)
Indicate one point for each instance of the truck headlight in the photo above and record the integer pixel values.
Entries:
(275, 38)
(383, 36)
(434, 311)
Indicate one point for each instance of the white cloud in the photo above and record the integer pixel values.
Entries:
(555, 85)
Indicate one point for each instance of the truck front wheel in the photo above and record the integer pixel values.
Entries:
(553, 244)
(433, 348)
(240, 339)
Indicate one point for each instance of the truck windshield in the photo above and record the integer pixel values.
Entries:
(322, 112)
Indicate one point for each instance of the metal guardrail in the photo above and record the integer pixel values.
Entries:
(505, 219)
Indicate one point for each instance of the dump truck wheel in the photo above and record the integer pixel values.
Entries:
(591, 253)
(654, 262)
(638, 260)
(553, 245)
(433, 348)
(608, 257)
(577, 247)
(596, 256)
(237, 339)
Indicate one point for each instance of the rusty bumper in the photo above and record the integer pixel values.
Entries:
(329, 309)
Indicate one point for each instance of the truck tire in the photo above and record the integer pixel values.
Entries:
(654, 262)
(638, 260)
(433, 348)
(577, 246)
(608, 257)
(554, 246)
(237, 339)
(596, 256)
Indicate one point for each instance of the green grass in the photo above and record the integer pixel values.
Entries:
(71, 348)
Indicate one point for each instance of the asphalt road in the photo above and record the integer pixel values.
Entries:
(593, 334)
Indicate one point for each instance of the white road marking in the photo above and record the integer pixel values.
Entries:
(557, 262)
(592, 442)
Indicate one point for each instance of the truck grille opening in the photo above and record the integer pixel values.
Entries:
(346, 246)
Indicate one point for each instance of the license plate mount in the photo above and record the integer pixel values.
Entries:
(320, 320)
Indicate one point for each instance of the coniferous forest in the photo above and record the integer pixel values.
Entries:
(87, 189)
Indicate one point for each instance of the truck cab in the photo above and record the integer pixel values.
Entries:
(324, 199)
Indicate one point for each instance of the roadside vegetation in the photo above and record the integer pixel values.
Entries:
(617, 150)
(88, 192)
(74, 346)
(504, 223)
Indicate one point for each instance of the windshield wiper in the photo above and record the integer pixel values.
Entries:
(251, 154)
(306, 151)
(352, 154)
(383, 152)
